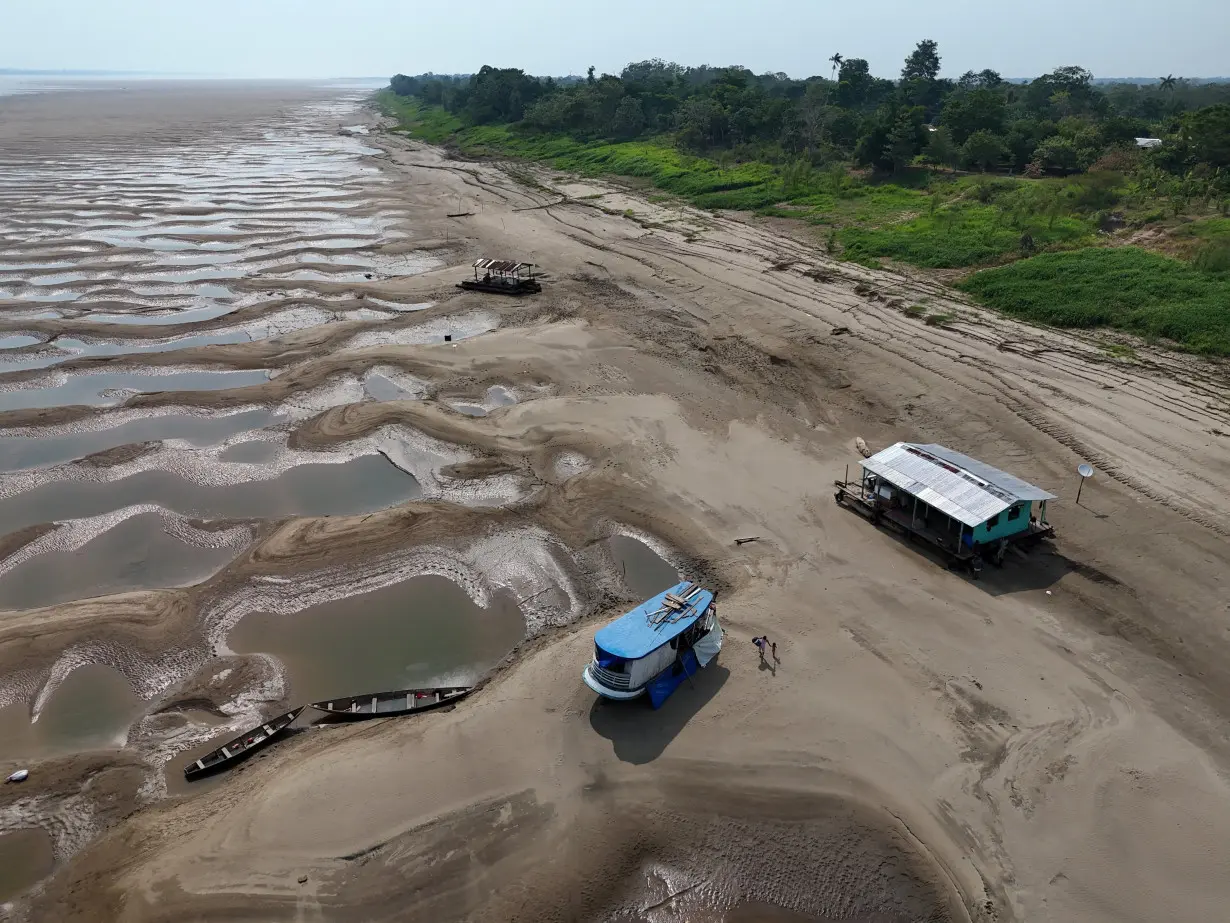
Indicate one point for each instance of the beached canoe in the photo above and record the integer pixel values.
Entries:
(390, 704)
(241, 747)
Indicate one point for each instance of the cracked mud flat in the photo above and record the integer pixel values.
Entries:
(927, 749)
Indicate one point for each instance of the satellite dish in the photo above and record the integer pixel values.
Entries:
(1085, 470)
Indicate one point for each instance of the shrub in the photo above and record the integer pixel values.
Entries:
(1214, 256)
(1125, 288)
(957, 236)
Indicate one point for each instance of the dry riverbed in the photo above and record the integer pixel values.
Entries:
(190, 550)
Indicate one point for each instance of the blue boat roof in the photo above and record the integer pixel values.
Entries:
(632, 635)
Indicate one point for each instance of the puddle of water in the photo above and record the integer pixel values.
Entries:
(423, 631)
(92, 709)
(78, 349)
(199, 275)
(255, 451)
(89, 389)
(121, 349)
(64, 278)
(49, 296)
(18, 340)
(18, 452)
(27, 267)
(339, 243)
(136, 554)
(499, 396)
(360, 485)
(382, 388)
(26, 859)
(37, 315)
(193, 316)
(645, 573)
(25, 361)
(171, 244)
(209, 290)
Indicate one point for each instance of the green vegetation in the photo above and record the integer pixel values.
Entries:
(427, 123)
(935, 172)
(1214, 256)
(961, 236)
(1123, 287)
(1208, 229)
(1119, 350)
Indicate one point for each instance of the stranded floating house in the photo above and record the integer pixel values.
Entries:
(963, 507)
(656, 646)
(502, 277)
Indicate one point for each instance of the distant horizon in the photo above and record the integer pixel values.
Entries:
(313, 39)
(71, 72)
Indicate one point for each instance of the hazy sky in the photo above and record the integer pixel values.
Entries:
(320, 38)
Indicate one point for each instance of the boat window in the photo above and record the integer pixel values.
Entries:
(609, 661)
(993, 521)
(1014, 513)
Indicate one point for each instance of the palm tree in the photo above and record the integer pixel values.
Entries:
(836, 60)
(1167, 82)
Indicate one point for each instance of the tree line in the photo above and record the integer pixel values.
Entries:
(1060, 123)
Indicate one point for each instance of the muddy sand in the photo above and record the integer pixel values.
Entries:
(1048, 743)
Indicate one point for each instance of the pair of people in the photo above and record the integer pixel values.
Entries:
(762, 642)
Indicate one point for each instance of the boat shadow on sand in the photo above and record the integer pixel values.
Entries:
(640, 734)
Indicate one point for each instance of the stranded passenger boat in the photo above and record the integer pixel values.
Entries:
(241, 747)
(502, 277)
(656, 646)
(390, 704)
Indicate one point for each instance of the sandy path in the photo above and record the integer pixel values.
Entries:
(1048, 744)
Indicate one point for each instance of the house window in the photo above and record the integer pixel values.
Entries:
(1014, 513)
(993, 521)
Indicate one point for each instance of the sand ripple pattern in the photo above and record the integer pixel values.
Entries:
(177, 222)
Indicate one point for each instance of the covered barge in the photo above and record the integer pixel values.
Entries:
(967, 510)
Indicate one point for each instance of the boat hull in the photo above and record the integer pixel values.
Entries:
(524, 288)
(618, 695)
(200, 769)
(384, 705)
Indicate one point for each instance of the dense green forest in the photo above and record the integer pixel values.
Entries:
(941, 173)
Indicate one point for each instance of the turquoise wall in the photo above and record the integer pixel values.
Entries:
(1004, 526)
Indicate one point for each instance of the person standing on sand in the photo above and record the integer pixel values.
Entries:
(760, 643)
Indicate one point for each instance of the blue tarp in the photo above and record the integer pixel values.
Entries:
(632, 635)
(605, 660)
(666, 682)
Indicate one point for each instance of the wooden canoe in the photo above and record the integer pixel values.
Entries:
(390, 704)
(241, 747)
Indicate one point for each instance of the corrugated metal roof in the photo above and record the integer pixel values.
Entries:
(964, 488)
(501, 265)
(1008, 483)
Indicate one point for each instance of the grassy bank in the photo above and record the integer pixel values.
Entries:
(1123, 288)
(427, 123)
(936, 220)
(928, 219)
(960, 235)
